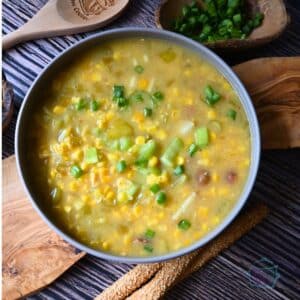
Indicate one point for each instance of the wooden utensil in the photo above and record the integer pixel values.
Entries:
(34, 256)
(7, 102)
(60, 17)
(274, 23)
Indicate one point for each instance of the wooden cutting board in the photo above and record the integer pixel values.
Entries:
(34, 256)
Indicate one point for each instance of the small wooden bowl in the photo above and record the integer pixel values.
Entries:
(275, 21)
(7, 102)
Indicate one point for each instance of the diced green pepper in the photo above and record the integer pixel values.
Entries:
(148, 248)
(147, 112)
(91, 156)
(80, 105)
(147, 150)
(125, 143)
(171, 152)
(202, 137)
(192, 149)
(94, 105)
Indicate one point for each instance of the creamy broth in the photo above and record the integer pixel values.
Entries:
(144, 147)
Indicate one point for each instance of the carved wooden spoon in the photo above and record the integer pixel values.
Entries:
(274, 23)
(60, 17)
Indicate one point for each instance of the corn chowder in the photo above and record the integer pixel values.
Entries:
(143, 147)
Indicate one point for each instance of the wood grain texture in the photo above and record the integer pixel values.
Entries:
(33, 255)
(278, 179)
(274, 85)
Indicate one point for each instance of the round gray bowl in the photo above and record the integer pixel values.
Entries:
(32, 102)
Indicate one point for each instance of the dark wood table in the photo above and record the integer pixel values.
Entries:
(275, 242)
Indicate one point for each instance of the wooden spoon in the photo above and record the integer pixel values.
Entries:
(60, 17)
(274, 23)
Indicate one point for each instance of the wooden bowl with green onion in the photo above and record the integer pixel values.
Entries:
(232, 26)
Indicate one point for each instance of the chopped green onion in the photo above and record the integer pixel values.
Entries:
(149, 233)
(184, 224)
(121, 166)
(147, 112)
(211, 96)
(161, 198)
(192, 149)
(76, 171)
(157, 96)
(201, 137)
(179, 170)
(139, 69)
(155, 188)
(94, 105)
(80, 105)
(148, 248)
(118, 91)
(142, 163)
(231, 113)
(91, 156)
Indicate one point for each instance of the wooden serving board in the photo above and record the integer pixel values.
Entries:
(34, 256)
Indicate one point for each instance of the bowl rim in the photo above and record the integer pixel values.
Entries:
(225, 70)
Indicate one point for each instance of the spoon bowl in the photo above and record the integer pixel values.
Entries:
(60, 17)
(275, 21)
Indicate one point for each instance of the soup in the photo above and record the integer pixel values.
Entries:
(143, 147)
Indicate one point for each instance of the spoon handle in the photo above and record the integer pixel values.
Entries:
(13, 38)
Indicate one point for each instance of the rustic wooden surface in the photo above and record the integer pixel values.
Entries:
(276, 239)
(33, 255)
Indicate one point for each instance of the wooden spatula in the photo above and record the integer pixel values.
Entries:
(34, 256)
(60, 17)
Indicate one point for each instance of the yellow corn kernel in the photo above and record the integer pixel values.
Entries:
(143, 84)
(203, 211)
(127, 240)
(204, 226)
(73, 186)
(211, 114)
(212, 136)
(223, 191)
(216, 220)
(151, 179)
(130, 174)
(161, 134)
(112, 156)
(67, 208)
(122, 197)
(177, 234)
(138, 117)
(96, 77)
(187, 73)
(58, 109)
(188, 100)
(215, 177)
(164, 178)
(175, 91)
(77, 155)
(153, 161)
(109, 116)
(105, 179)
(52, 173)
(110, 195)
(180, 160)
(75, 99)
(161, 215)
(117, 55)
(140, 140)
(105, 245)
(124, 209)
(137, 211)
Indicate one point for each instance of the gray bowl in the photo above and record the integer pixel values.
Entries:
(32, 102)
